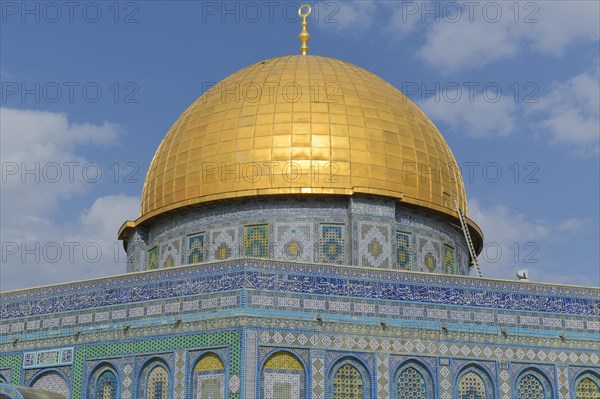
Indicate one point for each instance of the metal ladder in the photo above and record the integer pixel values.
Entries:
(465, 229)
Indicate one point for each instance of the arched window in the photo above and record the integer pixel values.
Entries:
(106, 386)
(283, 377)
(533, 385)
(348, 383)
(413, 382)
(52, 381)
(587, 388)
(471, 386)
(474, 382)
(157, 385)
(209, 377)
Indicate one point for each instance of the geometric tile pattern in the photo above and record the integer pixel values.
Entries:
(294, 242)
(428, 255)
(283, 361)
(562, 377)
(449, 260)
(283, 377)
(383, 382)
(170, 253)
(249, 379)
(471, 386)
(52, 382)
(318, 378)
(374, 245)
(505, 389)
(106, 386)
(445, 383)
(157, 386)
(587, 389)
(223, 244)
(210, 385)
(531, 388)
(153, 259)
(348, 383)
(195, 251)
(193, 339)
(382, 284)
(403, 251)
(127, 381)
(179, 374)
(412, 385)
(209, 377)
(282, 385)
(256, 241)
(332, 244)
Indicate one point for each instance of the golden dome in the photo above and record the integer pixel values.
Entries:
(303, 124)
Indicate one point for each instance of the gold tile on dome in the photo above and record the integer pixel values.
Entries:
(308, 109)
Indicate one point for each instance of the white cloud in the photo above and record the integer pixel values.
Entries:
(354, 16)
(571, 113)
(470, 35)
(513, 243)
(547, 27)
(451, 47)
(479, 116)
(43, 142)
(573, 225)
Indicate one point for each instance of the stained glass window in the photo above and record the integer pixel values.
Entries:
(158, 384)
(471, 386)
(531, 388)
(411, 384)
(106, 386)
(348, 383)
(587, 389)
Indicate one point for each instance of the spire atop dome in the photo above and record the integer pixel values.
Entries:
(304, 36)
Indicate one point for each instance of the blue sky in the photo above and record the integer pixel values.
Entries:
(89, 90)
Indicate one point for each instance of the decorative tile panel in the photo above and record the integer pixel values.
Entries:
(256, 241)
(332, 244)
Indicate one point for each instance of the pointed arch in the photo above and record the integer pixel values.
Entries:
(52, 381)
(209, 377)
(474, 382)
(586, 385)
(103, 382)
(155, 380)
(413, 380)
(349, 379)
(283, 375)
(532, 383)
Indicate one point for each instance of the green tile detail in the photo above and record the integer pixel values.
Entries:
(225, 338)
(14, 362)
(449, 260)
(256, 241)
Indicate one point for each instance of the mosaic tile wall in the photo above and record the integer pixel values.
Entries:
(362, 231)
(375, 319)
(383, 359)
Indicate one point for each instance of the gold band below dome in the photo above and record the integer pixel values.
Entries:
(302, 125)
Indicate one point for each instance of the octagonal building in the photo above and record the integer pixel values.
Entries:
(303, 234)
